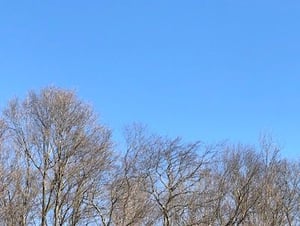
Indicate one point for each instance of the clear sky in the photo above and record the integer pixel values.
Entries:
(200, 69)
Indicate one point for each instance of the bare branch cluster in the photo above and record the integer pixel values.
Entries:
(58, 166)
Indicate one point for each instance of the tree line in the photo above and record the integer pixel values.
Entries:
(59, 166)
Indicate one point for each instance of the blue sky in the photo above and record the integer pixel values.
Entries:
(208, 70)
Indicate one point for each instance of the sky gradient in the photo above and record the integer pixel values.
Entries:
(203, 70)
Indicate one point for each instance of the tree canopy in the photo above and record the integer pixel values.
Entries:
(59, 166)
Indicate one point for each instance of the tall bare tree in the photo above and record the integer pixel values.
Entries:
(58, 136)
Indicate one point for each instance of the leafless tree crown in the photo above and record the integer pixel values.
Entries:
(58, 166)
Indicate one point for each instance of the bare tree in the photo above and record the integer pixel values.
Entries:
(58, 137)
(241, 173)
(171, 171)
(134, 206)
(281, 190)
